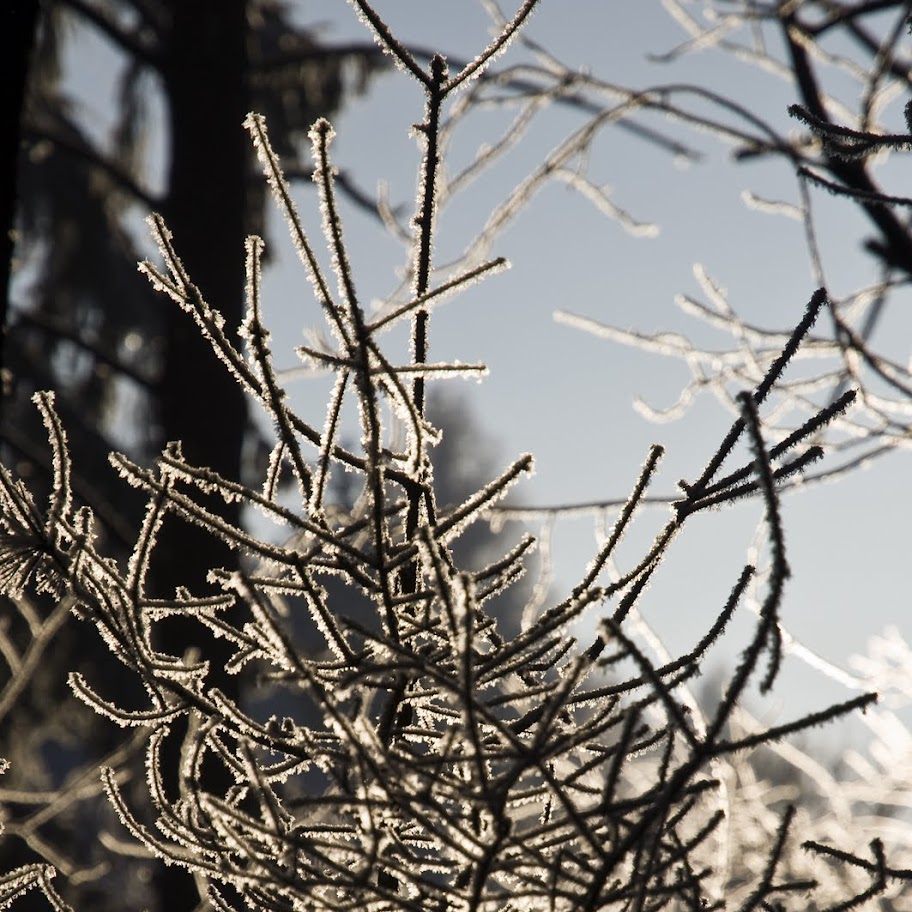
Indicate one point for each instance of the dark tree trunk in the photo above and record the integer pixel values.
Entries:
(199, 404)
(205, 75)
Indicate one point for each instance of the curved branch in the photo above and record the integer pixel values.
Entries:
(897, 247)
(119, 175)
(59, 330)
(113, 32)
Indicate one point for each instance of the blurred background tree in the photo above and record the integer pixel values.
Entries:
(80, 320)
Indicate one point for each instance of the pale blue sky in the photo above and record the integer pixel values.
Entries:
(566, 396)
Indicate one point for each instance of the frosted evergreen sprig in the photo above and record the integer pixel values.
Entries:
(878, 869)
(254, 333)
(729, 488)
(779, 571)
(420, 758)
(815, 305)
(846, 143)
(16, 883)
(872, 197)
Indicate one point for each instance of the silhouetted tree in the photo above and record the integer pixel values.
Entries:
(83, 321)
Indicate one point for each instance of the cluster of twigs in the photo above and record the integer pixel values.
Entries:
(836, 153)
(429, 764)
